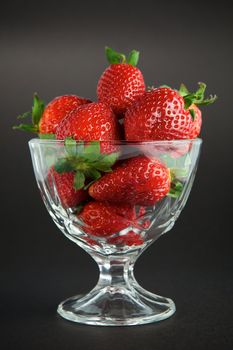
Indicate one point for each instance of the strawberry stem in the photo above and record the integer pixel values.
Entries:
(133, 58)
(115, 57)
(197, 98)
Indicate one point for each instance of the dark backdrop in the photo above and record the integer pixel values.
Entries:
(56, 48)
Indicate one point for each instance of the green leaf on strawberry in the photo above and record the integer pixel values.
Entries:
(183, 90)
(92, 173)
(80, 147)
(115, 57)
(93, 147)
(24, 115)
(106, 162)
(211, 99)
(35, 114)
(79, 180)
(71, 146)
(26, 127)
(192, 112)
(87, 162)
(165, 86)
(197, 98)
(37, 109)
(47, 136)
(175, 189)
(92, 151)
(133, 58)
(63, 165)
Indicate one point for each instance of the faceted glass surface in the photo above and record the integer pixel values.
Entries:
(118, 299)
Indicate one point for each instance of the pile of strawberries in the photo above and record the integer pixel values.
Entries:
(103, 189)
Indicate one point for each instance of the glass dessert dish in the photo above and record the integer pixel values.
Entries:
(115, 221)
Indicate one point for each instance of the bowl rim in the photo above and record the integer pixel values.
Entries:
(120, 142)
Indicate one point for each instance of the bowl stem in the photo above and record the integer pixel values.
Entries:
(117, 299)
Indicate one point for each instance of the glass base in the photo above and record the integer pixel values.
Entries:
(117, 306)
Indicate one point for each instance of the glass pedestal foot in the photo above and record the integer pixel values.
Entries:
(116, 306)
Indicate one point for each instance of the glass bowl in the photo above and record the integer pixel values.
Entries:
(153, 183)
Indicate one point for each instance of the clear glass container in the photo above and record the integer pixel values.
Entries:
(118, 299)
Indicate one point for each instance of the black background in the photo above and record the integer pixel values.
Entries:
(56, 48)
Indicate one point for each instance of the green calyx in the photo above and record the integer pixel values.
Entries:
(175, 189)
(114, 57)
(87, 162)
(46, 136)
(179, 171)
(35, 114)
(197, 98)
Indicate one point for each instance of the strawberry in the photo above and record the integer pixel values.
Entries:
(94, 121)
(103, 219)
(129, 239)
(121, 83)
(57, 110)
(90, 241)
(68, 195)
(138, 180)
(197, 122)
(166, 114)
(46, 119)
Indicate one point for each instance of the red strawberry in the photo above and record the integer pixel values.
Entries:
(104, 219)
(91, 122)
(138, 180)
(68, 196)
(90, 241)
(158, 115)
(57, 110)
(165, 114)
(129, 239)
(121, 83)
(46, 119)
(197, 122)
